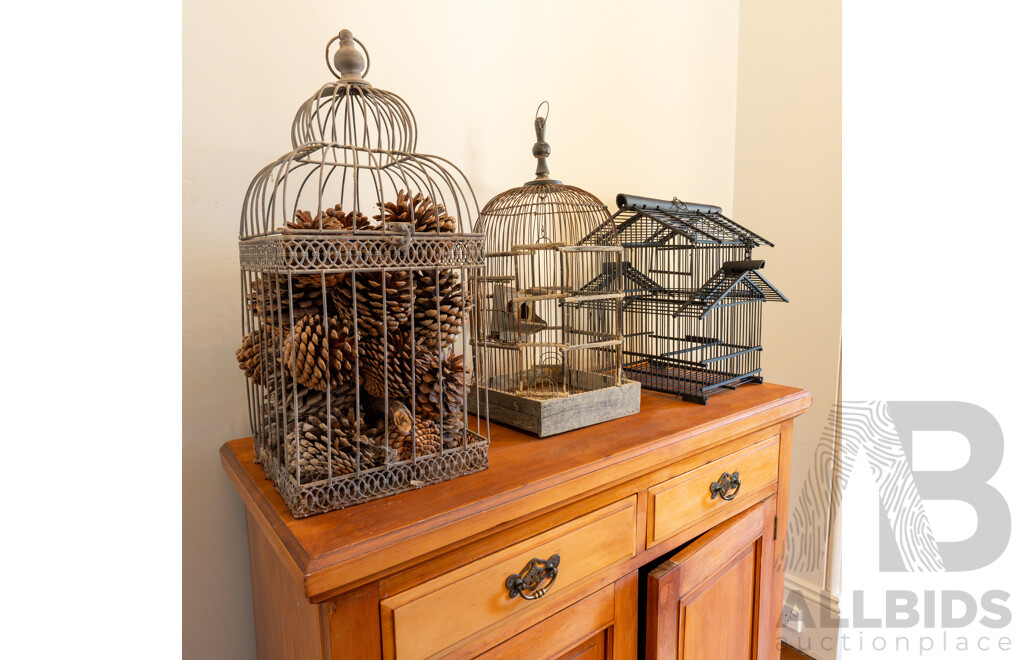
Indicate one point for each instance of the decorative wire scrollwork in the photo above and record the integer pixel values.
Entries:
(290, 253)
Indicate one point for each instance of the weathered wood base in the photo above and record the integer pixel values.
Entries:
(549, 416)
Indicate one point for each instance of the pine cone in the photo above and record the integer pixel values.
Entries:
(314, 443)
(347, 449)
(332, 219)
(370, 291)
(264, 343)
(454, 431)
(371, 448)
(347, 424)
(317, 359)
(268, 299)
(250, 357)
(366, 441)
(320, 280)
(427, 440)
(304, 221)
(303, 401)
(440, 313)
(395, 370)
(440, 385)
(425, 216)
(350, 220)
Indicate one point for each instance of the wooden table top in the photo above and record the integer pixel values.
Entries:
(344, 546)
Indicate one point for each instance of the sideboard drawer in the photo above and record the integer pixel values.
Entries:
(441, 612)
(558, 635)
(678, 503)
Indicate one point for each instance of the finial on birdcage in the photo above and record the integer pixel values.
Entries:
(349, 64)
(541, 149)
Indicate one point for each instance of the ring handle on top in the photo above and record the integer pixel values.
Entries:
(348, 63)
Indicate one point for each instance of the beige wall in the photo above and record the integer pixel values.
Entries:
(789, 188)
(643, 100)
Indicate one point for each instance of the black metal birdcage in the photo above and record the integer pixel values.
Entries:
(693, 297)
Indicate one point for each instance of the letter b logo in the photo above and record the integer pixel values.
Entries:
(967, 484)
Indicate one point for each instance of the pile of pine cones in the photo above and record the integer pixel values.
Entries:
(407, 323)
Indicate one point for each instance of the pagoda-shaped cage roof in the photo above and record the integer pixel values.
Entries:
(645, 222)
(735, 283)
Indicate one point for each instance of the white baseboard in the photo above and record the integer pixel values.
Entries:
(821, 610)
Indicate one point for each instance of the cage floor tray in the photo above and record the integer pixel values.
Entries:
(691, 383)
(541, 409)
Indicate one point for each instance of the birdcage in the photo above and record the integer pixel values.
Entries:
(553, 299)
(357, 277)
(693, 297)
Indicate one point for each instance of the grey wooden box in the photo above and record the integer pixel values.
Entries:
(546, 416)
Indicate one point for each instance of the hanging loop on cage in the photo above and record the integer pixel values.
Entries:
(542, 104)
(349, 65)
(541, 149)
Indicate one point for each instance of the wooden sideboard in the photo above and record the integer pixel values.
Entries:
(647, 558)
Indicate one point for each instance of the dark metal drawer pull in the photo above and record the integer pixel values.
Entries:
(531, 576)
(727, 486)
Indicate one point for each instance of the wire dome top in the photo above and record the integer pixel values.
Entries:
(544, 210)
(545, 213)
(353, 192)
(350, 110)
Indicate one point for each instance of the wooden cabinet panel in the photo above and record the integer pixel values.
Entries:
(586, 620)
(704, 602)
(592, 649)
(287, 625)
(717, 622)
(421, 574)
(352, 624)
(627, 618)
(680, 502)
(442, 612)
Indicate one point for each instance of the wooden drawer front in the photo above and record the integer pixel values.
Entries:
(440, 613)
(579, 628)
(678, 503)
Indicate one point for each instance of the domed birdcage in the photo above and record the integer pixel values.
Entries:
(552, 298)
(357, 276)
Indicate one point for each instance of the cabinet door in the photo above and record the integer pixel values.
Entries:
(712, 600)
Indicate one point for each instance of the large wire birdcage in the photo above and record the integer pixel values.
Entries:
(553, 298)
(357, 281)
(693, 297)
